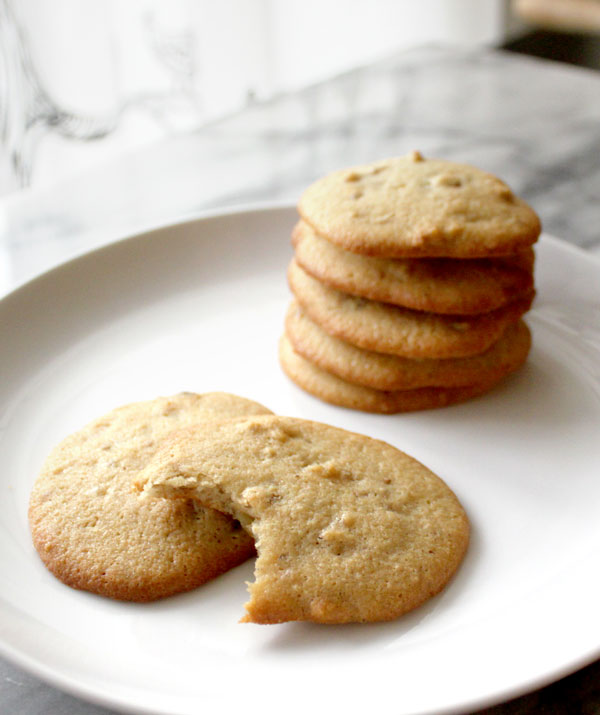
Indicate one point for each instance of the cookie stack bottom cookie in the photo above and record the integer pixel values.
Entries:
(332, 389)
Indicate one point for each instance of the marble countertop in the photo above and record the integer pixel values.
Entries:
(534, 123)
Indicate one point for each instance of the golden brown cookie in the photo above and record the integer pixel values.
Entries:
(392, 372)
(347, 528)
(333, 389)
(390, 329)
(437, 285)
(92, 531)
(415, 207)
(524, 260)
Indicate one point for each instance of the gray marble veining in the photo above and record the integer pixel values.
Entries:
(534, 123)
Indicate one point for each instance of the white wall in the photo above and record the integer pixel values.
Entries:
(136, 70)
(263, 46)
(316, 38)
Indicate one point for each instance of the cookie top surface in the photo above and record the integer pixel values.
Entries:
(94, 533)
(392, 372)
(437, 285)
(333, 389)
(399, 331)
(347, 528)
(415, 207)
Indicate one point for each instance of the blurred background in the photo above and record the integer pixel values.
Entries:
(83, 81)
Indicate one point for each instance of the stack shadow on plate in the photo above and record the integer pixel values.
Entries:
(410, 278)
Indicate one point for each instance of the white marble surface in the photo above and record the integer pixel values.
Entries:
(534, 123)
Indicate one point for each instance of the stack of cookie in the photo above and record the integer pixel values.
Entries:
(410, 279)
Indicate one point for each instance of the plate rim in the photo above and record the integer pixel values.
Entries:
(146, 229)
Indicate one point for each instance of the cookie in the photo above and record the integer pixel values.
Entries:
(347, 528)
(92, 531)
(390, 329)
(411, 207)
(524, 260)
(437, 285)
(392, 372)
(335, 391)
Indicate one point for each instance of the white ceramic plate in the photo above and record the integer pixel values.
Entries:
(199, 307)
